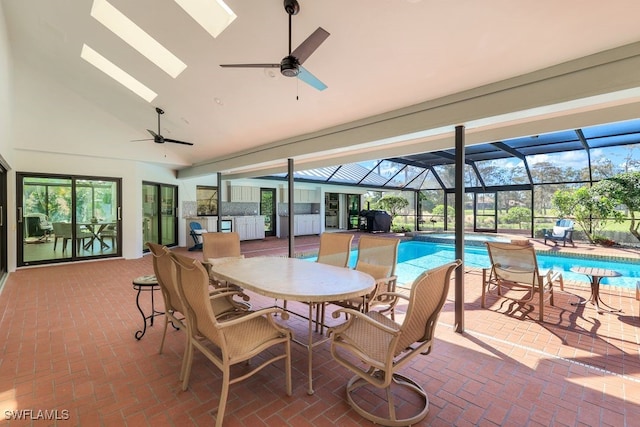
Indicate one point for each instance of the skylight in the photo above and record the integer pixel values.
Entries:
(136, 37)
(213, 15)
(117, 73)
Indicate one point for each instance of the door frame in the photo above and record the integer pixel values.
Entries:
(477, 198)
(73, 255)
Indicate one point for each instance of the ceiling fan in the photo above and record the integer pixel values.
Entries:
(157, 137)
(291, 65)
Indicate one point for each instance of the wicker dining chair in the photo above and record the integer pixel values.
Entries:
(223, 305)
(377, 256)
(219, 247)
(375, 348)
(335, 249)
(238, 340)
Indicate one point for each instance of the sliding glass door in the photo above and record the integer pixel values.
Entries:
(67, 218)
(159, 214)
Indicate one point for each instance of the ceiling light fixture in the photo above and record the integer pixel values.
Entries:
(212, 15)
(137, 38)
(117, 73)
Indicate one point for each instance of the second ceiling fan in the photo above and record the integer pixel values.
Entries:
(291, 65)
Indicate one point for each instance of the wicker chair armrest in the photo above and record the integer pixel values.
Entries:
(396, 295)
(252, 315)
(354, 314)
(229, 291)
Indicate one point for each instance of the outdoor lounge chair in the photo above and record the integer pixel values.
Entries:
(561, 232)
(375, 348)
(514, 275)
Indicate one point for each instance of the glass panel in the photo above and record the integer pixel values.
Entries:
(569, 166)
(544, 214)
(386, 170)
(430, 182)
(46, 202)
(407, 177)
(611, 161)
(353, 203)
(447, 174)
(485, 212)
(503, 171)
(150, 207)
(517, 221)
(417, 182)
(470, 177)
(207, 200)
(168, 214)
(267, 208)
(60, 223)
(96, 222)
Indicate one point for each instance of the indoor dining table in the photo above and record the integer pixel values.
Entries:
(292, 279)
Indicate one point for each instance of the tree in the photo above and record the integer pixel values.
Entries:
(589, 209)
(623, 189)
(439, 211)
(393, 204)
(518, 215)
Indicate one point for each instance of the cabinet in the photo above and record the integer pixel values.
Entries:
(243, 193)
(249, 227)
(300, 196)
(303, 225)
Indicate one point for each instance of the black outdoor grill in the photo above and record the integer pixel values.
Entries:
(375, 221)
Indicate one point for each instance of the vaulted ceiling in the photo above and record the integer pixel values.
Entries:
(391, 66)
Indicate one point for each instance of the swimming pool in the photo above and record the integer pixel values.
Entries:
(414, 257)
(472, 239)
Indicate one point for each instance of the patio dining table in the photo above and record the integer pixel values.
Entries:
(292, 279)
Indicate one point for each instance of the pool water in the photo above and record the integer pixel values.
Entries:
(415, 257)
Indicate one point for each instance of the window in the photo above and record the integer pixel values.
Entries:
(207, 200)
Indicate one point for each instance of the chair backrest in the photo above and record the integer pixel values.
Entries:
(335, 249)
(377, 256)
(62, 229)
(193, 284)
(195, 226)
(514, 263)
(220, 245)
(565, 223)
(428, 295)
(165, 272)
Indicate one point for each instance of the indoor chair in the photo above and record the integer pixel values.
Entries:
(237, 340)
(514, 275)
(61, 230)
(37, 226)
(375, 348)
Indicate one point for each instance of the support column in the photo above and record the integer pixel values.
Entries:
(459, 198)
(292, 243)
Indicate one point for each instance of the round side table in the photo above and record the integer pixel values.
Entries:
(141, 284)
